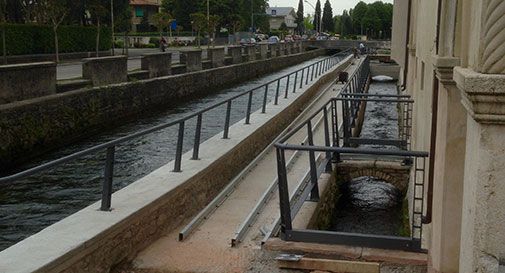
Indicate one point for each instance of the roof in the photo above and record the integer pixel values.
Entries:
(145, 2)
(280, 11)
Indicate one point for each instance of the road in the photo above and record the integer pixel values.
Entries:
(73, 69)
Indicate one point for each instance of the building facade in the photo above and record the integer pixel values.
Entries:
(142, 13)
(452, 54)
(280, 15)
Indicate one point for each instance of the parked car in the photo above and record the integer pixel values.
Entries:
(248, 41)
(273, 40)
(261, 37)
(297, 37)
(288, 39)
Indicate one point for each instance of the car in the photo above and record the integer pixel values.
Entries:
(248, 41)
(273, 40)
(261, 37)
(288, 38)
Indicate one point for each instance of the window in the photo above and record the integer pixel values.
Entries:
(139, 12)
(274, 12)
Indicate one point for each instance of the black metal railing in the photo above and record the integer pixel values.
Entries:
(312, 71)
(339, 116)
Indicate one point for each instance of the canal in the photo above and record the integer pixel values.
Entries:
(369, 205)
(29, 205)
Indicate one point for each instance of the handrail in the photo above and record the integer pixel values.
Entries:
(318, 68)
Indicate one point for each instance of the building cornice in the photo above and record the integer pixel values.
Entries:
(483, 95)
(444, 68)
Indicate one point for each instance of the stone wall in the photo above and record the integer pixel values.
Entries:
(36, 125)
(25, 81)
(106, 70)
(158, 64)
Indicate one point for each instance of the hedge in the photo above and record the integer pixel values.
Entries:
(24, 39)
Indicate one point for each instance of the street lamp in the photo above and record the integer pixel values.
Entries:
(320, 17)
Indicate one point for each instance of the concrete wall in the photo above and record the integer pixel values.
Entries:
(25, 81)
(389, 70)
(106, 70)
(95, 241)
(44, 123)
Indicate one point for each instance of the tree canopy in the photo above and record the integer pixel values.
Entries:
(300, 26)
(328, 24)
(373, 20)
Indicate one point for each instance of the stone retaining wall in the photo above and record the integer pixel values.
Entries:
(37, 125)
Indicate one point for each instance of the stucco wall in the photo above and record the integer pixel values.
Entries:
(43, 123)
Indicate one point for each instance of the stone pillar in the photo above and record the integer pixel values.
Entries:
(483, 220)
(282, 49)
(251, 52)
(216, 56)
(296, 47)
(193, 60)
(263, 51)
(448, 171)
(105, 70)
(236, 54)
(26, 81)
(274, 48)
(158, 64)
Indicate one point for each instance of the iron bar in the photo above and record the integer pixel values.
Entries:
(296, 80)
(178, 153)
(265, 98)
(227, 121)
(283, 191)
(107, 181)
(276, 102)
(198, 132)
(249, 105)
(327, 139)
(314, 195)
(287, 87)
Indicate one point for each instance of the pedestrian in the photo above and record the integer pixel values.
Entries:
(163, 44)
(362, 48)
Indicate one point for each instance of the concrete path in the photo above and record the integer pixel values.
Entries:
(73, 69)
(208, 248)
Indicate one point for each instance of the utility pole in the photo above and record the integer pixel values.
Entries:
(112, 23)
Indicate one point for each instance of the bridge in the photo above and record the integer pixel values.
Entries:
(220, 199)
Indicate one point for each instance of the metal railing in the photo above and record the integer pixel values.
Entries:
(336, 141)
(306, 74)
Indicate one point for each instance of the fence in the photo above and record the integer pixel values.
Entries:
(337, 140)
(305, 75)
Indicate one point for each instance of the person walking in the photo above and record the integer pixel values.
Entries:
(163, 44)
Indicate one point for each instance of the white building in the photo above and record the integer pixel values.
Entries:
(279, 15)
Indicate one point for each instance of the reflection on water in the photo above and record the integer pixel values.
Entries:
(370, 206)
(29, 205)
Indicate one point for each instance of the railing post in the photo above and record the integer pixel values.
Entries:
(327, 139)
(301, 81)
(248, 113)
(198, 132)
(314, 194)
(345, 115)
(285, 206)
(287, 87)
(296, 80)
(265, 98)
(107, 181)
(227, 120)
(312, 73)
(178, 152)
(308, 75)
(276, 101)
(336, 133)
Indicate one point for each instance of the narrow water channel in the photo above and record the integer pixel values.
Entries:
(31, 204)
(369, 205)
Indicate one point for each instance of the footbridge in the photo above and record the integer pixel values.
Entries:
(218, 205)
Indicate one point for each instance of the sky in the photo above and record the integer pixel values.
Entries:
(337, 5)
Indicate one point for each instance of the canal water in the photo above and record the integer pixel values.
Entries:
(369, 205)
(31, 204)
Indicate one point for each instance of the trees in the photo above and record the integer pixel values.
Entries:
(300, 27)
(317, 17)
(359, 13)
(162, 20)
(307, 22)
(327, 23)
(346, 24)
(211, 27)
(53, 12)
(98, 11)
(199, 22)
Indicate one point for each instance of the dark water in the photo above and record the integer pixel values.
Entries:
(31, 204)
(369, 205)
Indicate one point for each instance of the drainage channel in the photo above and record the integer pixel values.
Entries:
(31, 204)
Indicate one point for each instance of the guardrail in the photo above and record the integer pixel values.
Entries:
(335, 145)
(306, 74)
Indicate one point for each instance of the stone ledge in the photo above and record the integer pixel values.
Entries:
(483, 95)
(444, 68)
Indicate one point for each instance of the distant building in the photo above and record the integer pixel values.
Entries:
(142, 12)
(279, 15)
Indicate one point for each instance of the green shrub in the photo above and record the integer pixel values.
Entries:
(150, 46)
(155, 41)
(39, 39)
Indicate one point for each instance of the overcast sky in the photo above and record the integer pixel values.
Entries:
(337, 5)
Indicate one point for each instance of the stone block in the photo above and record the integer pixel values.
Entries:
(282, 49)
(105, 70)
(193, 60)
(274, 48)
(216, 56)
(25, 81)
(251, 52)
(236, 54)
(289, 48)
(158, 64)
(263, 51)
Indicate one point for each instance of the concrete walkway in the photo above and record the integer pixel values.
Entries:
(208, 248)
